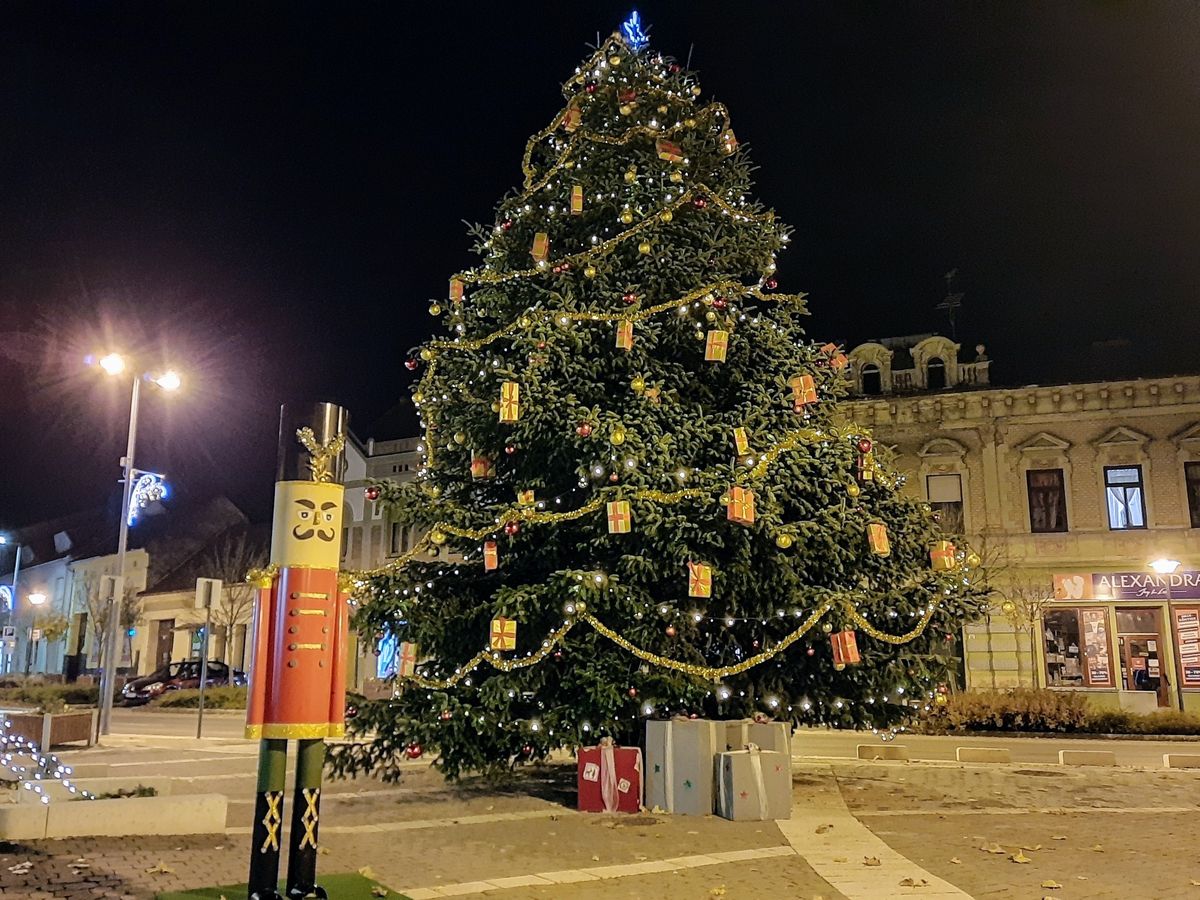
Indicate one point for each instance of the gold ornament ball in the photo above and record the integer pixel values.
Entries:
(626, 216)
(638, 384)
(676, 177)
(438, 537)
(696, 90)
(427, 355)
(940, 700)
(630, 176)
(617, 437)
(624, 109)
(460, 437)
(667, 215)
(826, 627)
(725, 499)
(699, 335)
(524, 321)
(853, 490)
(663, 109)
(690, 123)
(589, 272)
(644, 247)
(614, 60)
(496, 406)
(973, 559)
(1008, 607)
(418, 397)
(710, 316)
(783, 541)
(435, 309)
(435, 491)
(839, 666)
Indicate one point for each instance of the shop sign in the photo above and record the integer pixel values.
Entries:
(1127, 586)
(1187, 626)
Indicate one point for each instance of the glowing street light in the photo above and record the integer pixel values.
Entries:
(37, 598)
(1164, 566)
(112, 363)
(168, 381)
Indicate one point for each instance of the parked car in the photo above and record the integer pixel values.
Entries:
(178, 676)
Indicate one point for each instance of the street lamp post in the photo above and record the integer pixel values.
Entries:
(114, 364)
(36, 599)
(12, 597)
(1167, 567)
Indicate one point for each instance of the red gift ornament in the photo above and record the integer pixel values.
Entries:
(845, 649)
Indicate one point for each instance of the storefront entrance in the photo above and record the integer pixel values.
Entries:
(1140, 645)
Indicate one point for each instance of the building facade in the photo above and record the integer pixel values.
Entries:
(1069, 492)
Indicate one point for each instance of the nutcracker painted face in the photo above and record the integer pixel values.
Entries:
(307, 524)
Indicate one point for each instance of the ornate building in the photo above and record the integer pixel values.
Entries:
(1069, 492)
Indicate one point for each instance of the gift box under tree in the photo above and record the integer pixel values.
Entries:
(753, 785)
(609, 778)
(770, 735)
(679, 764)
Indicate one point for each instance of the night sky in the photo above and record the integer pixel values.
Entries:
(268, 195)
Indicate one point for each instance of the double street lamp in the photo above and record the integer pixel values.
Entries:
(114, 365)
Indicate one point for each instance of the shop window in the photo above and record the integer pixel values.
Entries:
(935, 374)
(1076, 642)
(946, 500)
(1191, 472)
(872, 380)
(1125, 497)
(1047, 500)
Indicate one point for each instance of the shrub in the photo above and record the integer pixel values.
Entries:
(124, 793)
(214, 698)
(45, 696)
(1017, 709)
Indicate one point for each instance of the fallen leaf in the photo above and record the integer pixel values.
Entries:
(1052, 884)
(841, 859)
(913, 882)
(1195, 883)
(993, 848)
(693, 832)
(368, 873)
(1059, 837)
(871, 861)
(1032, 849)
(1020, 857)
(1097, 848)
(378, 891)
(324, 850)
(160, 869)
(718, 891)
(956, 860)
(823, 829)
(595, 859)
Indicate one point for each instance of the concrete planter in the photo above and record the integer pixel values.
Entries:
(48, 730)
(188, 814)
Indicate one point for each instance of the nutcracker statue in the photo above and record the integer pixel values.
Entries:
(301, 619)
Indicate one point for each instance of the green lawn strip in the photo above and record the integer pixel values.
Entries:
(343, 887)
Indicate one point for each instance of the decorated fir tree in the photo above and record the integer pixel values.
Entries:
(638, 496)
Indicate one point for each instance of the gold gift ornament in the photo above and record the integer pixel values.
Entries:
(576, 199)
(625, 335)
(572, 117)
(482, 467)
(525, 498)
(668, 150)
(942, 556)
(541, 247)
(699, 580)
(877, 538)
(491, 557)
(741, 506)
(510, 402)
(804, 391)
(504, 633)
(456, 290)
(715, 346)
(741, 443)
(619, 517)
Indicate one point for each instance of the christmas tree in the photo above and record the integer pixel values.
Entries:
(638, 497)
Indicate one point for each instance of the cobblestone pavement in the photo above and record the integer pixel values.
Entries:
(1096, 833)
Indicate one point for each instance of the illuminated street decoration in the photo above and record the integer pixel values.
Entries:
(631, 28)
(150, 487)
(6, 598)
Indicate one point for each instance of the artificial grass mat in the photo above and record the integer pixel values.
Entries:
(339, 887)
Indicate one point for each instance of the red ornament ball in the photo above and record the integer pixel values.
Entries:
(527, 750)
(510, 449)
(506, 224)
(371, 493)
(446, 715)
(557, 270)
(720, 303)
(674, 68)
(584, 429)
(864, 445)
(614, 477)
(414, 751)
(770, 284)
(693, 716)
(558, 654)
(754, 644)
(630, 298)
(810, 651)
(590, 87)
(411, 364)
(566, 267)
(671, 631)
(511, 528)
(633, 692)
(541, 345)
(700, 203)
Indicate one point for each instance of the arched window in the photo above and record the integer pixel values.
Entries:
(872, 383)
(935, 374)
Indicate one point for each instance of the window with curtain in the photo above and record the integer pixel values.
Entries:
(946, 500)
(1125, 497)
(1047, 500)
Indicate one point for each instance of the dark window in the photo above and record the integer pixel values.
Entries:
(1192, 473)
(1125, 497)
(946, 500)
(935, 374)
(399, 539)
(872, 381)
(1047, 500)
(1076, 644)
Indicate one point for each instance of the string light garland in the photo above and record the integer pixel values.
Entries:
(46, 766)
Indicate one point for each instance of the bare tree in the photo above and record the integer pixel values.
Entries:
(234, 554)
(88, 584)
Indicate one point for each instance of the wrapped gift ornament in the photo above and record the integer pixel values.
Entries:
(624, 334)
(572, 118)
(699, 580)
(482, 467)
(525, 498)
(679, 764)
(729, 141)
(768, 735)
(845, 649)
(877, 538)
(503, 634)
(753, 785)
(942, 556)
(835, 357)
(741, 506)
(867, 469)
(510, 402)
(491, 556)
(541, 247)
(456, 290)
(668, 150)
(576, 199)
(741, 443)
(716, 345)
(619, 517)
(406, 659)
(609, 778)
(804, 391)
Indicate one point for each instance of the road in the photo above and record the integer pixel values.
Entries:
(141, 720)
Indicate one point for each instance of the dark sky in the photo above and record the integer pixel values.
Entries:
(268, 194)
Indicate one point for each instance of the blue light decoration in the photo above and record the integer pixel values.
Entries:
(6, 603)
(150, 487)
(631, 29)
